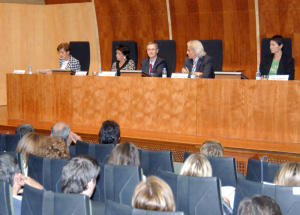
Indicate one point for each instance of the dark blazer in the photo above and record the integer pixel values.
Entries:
(286, 65)
(204, 65)
(157, 68)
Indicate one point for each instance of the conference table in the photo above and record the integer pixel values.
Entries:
(261, 115)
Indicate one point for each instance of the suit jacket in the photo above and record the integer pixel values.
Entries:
(204, 65)
(286, 65)
(157, 68)
(73, 63)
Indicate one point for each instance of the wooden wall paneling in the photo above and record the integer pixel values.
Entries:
(248, 109)
(282, 17)
(65, 1)
(141, 21)
(33, 32)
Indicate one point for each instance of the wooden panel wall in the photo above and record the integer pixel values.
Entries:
(282, 17)
(30, 35)
(65, 1)
(233, 21)
(137, 20)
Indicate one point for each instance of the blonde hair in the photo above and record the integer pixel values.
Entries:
(212, 148)
(197, 47)
(196, 165)
(29, 144)
(52, 147)
(153, 194)
(288, 174)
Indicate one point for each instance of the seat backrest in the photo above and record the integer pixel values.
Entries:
(9, 142)
(116, 183)
(113, 208)
(72, 150)
(49, 203)
(6, 205)
(16, 155)
(153, 160)
(254, 170)
(214, 48)
(133, 50)
(265, 47)
(287, 199)
(81, 51)
(194, 195)
(223, 168)
(46, 171)
(100, 152)
(167, 51)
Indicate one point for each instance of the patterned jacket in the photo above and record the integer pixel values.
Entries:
(73, 64)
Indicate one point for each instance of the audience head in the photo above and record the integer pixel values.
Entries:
(152, 49)
(109, 132)
(196, 165)
(288, 174)
(29, 144)
(52, 147)
(24, 129)
(259, 205)
(79, 175)
(212, 148)
(122, 52)
(195, 49)
(124, 154)
(153, 194)
(8, 168)
(62, 130)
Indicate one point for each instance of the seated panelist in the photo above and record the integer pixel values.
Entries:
(67, 61)
(123, 61)
(198, 60)
(277, 63)
(153, 64)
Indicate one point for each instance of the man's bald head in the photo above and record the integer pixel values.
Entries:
(61, 129)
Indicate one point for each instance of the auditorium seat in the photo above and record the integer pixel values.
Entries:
(46, 171)
(50, 203)
(265, 47)
(151, 161)
(6, 205)
(194, 195)
(167, 51)
(100, 152)
(116, 183)
(81, 51)
(254, 170)
(9, 142)
(214, 48)
(133, 50)
(223, 168)
(113, 208)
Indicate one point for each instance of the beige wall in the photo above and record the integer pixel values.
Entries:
(24, 1)
(30, 34)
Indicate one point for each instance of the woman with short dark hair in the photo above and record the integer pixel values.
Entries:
(67, 61)
(123, 61)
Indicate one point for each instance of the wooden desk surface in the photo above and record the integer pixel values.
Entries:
(258, 115)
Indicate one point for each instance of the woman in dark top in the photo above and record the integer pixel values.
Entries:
(123, 62)
(277, 63)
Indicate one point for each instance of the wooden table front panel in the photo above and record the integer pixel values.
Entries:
(148, 104)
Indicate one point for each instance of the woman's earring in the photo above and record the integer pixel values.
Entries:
(124, 57)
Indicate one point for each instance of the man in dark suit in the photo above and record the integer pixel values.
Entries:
(153, 64)
(198, 61)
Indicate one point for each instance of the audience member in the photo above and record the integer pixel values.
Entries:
(288, 174)
(153, 64)
(124, 154)
(123, 61)
(79, 175)
(212, 148)
(52, 147)
(67, 61)
(109, 132)
(153, 194)
(62, 130)
(198, 166)
(24, 129)
(10, 172)
(198, 61)
(259, 205)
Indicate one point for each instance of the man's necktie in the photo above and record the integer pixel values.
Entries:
(151, 68)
